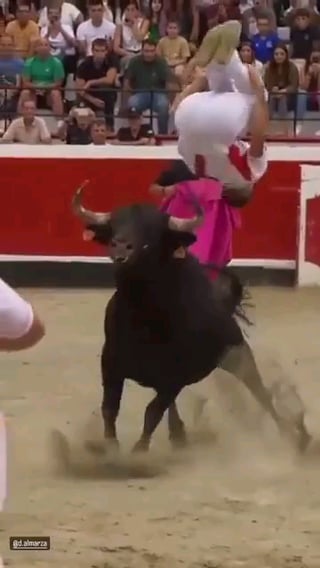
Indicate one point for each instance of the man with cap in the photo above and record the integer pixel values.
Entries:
(137, 133)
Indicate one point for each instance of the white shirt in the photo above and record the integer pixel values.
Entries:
(16, 315)
(69, 15)
(58, 44)
(88, 32)
(129, 42)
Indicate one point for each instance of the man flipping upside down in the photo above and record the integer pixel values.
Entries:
(210, 123)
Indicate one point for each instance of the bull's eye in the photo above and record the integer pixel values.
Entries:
(145, 246)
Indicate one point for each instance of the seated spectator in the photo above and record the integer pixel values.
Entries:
(96, 76)
(282, 82)
(11, 68)
(77, 128)
(157, 21)
(185, 12)
(99, 132)
(309, 97)
(247, 56)
(310, 5)
(136, 134)
(23, 30)
(29, 129)
(61, 39)
(148, 75)
(96, 27)
(130, 34)
(70, 15)
(244, 5)
(265, 41)
(303, 35)
(109, 11)
(259, 9)
(174, 49)
(42, 79)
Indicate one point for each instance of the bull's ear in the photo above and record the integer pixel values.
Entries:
(99, 233)
(178, 239)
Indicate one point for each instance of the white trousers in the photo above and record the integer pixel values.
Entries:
(231, 77)
(207, 119)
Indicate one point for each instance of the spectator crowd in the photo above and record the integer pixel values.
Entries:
(87, 62)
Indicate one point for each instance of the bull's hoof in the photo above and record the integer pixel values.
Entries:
(96, 448)
(140, 447)
(61, 451)
(103, 447)
(304, 441)
(179, 442)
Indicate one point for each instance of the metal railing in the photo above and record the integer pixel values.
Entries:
(296, 110)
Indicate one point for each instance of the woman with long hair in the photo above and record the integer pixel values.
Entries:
(309, 95)
(248, 57)
(157, 20)
(130, 34)
(281, 79)
(61, 39)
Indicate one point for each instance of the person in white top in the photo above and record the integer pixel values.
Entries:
(130, 34)
(60, 36)
(70, 15)
(20, 327)
(211, 123)
(96, 27)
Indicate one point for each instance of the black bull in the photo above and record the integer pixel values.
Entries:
(167, 325)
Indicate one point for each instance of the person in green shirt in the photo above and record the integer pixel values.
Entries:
(42, 79)
(149, 75)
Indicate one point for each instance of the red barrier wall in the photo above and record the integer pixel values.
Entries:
(36, 195)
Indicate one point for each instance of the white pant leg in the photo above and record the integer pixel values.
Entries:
(237, 72)
(207, 119)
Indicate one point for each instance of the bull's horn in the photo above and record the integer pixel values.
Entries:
(177, 224)
(90, 217)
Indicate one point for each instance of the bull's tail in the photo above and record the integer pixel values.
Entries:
(231, 292)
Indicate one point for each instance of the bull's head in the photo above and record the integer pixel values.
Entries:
(137, 231)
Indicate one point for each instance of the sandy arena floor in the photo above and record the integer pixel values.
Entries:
(238, 498)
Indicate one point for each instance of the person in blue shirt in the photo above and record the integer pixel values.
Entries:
(11, 68)
(265, 41)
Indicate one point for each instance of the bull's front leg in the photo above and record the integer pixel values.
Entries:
(112, 384)
(153, 415)
(112, 393)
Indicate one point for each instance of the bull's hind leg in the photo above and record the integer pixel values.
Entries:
(239, 361)
(153, 415)
(177, 432)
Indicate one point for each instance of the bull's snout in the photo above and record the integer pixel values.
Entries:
(120, 249)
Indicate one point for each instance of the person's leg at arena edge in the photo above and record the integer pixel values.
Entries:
(160, 105)
(219, 51)
(256, 154)
(140, 101)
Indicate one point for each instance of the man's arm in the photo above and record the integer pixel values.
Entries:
(45, 136)
(20, 326)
